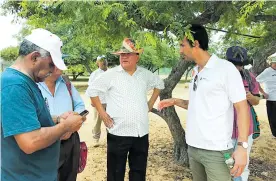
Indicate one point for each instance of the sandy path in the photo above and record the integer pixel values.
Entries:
(160, 161)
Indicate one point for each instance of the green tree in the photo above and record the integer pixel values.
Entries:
(92, 28)
(9, 54)
(256, 18)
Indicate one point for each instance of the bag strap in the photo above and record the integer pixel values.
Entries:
(248, 78)
(69, 88)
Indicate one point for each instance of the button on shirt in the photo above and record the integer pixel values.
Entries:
(210, 112)
(268, 77)
(126, 98)
(61, 101)
(94, 75)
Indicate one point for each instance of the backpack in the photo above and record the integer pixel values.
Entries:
(83, 146)
(256, 122)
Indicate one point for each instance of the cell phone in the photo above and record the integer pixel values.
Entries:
(84, 113)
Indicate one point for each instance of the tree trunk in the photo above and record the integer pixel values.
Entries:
(259, 66)
(170, 116)
(74, 76)
(261, 56)
(86, 65)
(187, 73)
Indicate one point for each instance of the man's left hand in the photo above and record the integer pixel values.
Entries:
(249, 96)
(240, 157)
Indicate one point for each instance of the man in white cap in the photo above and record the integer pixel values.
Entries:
(97, 121)
(126, 115)
(268, 78)
(30, 137)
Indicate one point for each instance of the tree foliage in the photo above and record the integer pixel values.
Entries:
(90, 28)
(256, 18)
(9, 54)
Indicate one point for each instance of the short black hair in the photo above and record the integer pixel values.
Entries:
(199, 33)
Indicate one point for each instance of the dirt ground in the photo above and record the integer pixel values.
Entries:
(161, 166)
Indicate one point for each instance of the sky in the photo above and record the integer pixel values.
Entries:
(7, 31)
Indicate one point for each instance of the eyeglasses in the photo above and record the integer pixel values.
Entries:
(195, 84)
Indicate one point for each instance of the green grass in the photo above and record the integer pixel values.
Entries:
(80, 78)
(81, 88)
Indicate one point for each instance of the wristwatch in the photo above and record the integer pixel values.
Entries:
(243, 144)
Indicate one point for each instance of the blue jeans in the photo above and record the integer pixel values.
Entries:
(245, 174)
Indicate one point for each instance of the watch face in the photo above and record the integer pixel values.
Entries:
(245, 145)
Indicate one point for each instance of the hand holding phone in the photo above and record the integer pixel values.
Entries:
(84, 113)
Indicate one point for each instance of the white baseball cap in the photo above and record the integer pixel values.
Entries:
(271, 58)
(49, 42)
(100, 57)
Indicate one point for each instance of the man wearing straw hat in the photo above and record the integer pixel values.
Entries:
(126, 115)
(268, 78)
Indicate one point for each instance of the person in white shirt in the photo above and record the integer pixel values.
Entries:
(216, 86)
(268, 78)
(126, 115)
(96, 130)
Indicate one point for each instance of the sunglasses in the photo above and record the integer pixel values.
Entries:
(195, 83)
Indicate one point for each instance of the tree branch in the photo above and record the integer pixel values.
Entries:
(154, 70)
(251, 36)
(155, 111)
(263, 17)
(174, 77)
(212, 13)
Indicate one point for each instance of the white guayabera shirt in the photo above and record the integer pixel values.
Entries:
(94, 75)
(126, 98)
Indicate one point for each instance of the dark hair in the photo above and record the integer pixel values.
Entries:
(236, 63)
(27, 47)
(199, 33)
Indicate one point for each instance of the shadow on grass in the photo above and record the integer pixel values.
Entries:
(261, 170)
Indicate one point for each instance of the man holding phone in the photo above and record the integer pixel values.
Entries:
(62, 96)
(30, 139)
